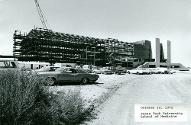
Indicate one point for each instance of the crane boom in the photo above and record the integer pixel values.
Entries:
(41, 15)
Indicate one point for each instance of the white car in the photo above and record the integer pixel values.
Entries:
(98, 71)
(107, 70)
(170, 71)
(159, 70)
(139, 71)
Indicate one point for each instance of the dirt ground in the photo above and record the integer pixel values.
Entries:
(150, 89)
(132, 89)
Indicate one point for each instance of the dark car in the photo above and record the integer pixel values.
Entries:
(65, 74)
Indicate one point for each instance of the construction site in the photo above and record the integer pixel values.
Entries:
(103, 64)
(48, 46)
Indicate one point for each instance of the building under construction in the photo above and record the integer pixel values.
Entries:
(47, 46)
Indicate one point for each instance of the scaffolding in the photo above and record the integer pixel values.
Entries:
(48, 46)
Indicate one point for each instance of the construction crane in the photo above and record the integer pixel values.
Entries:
(41, 15)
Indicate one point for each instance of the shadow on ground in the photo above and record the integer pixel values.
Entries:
(76, 83)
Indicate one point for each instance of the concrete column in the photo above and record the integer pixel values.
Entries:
(168, 53)
(157, 61)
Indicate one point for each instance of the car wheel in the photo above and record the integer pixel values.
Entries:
(50, 81)
(84, 80)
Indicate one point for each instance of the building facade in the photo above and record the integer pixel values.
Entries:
(143, 50)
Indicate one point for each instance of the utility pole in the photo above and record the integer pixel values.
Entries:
(94, 55)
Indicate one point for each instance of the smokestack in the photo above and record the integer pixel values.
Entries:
(168, 53)
(157, 52)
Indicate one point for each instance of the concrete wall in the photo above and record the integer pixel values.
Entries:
(168, 53)
(157, 52)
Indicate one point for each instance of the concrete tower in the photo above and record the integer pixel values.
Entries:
(157, 61)
(161, 53)
(168, 53)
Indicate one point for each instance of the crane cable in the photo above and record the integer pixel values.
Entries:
(41, 15)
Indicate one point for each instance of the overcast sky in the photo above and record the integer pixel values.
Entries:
(127, 20)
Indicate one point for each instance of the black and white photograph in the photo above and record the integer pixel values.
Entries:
(95, 62)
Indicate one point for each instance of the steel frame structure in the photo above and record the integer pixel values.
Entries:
(48, 46)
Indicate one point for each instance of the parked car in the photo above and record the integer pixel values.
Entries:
(98, 71)
(88, 68)
(159, 70)
(120, 70)
(139, 71)
(65, 74)
(146, 71)
(107, 70)
(47, 69)
(132, 71)
(170, 71)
